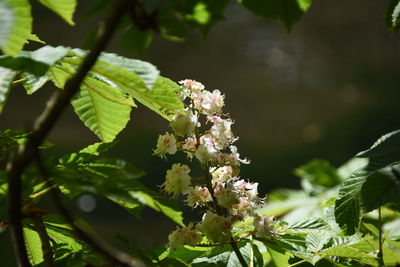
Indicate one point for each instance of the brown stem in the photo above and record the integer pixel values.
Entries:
(43, 125)
(44, 239)
(380, 252)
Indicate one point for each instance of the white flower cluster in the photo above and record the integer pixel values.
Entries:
(224, 196)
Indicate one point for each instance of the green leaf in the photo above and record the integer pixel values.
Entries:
(134, 78)
(392, 16)
(37, 62)
(64, 239)
(187, 253)
(24, 63)
(104, 116)
(116, 180)
(103, 108)
(205, 13)
(97, 148)
(379, 189)
(351, 253)
(15, 25)
(64, 8)
(279, 257)
(136, 40)
(32, 83)
(47, 54)
(6, 78)
(362, 192)
(285, 11)
(225, 256)
(33, 246)
(309, 224)
(315, 241)
(348, 210)
(173, 27)
(146, 71)
(385, 151)
(319, 173)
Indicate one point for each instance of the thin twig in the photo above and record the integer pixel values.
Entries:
(44, 123)
(380, 252)
(115, 255)
(297, 263)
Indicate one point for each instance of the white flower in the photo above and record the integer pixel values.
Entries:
(177, 180)
(211, 102)
(263, 226)
(165, 144)
(221, 130)
(192, 85)
(206, 153)
(215, 227)
(183, 236)
(198, 196)
(243, 205)
(225, 197)
(246, 189)
(233, 158)
(184, 124)
(221, 174)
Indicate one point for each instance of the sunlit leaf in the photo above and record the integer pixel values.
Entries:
(105, 117)
(15, 25)
(6, 77)
(64, 8)
(33, 246)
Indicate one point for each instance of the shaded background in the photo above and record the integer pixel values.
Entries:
(328, 89)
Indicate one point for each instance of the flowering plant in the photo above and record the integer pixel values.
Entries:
(203, 132)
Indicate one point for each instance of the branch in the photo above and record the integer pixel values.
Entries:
(115, 255)
(43, 125)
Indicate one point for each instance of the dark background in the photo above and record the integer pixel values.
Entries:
(328, 89)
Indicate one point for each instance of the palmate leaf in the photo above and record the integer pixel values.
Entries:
(64, 8)
(6, 77)
(15, 25)
(285, 11)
